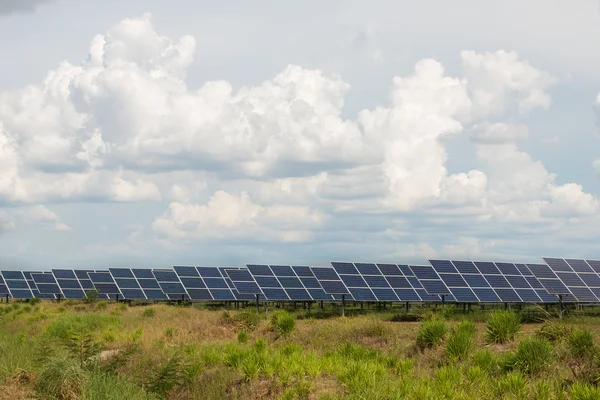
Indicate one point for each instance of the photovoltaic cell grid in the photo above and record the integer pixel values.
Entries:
(330, 281)
(490, 282)
(578, 276)
(16, 285)
(431, 281)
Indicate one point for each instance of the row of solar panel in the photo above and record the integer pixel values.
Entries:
(461, 281)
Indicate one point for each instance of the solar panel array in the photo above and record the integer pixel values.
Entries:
(570, 280)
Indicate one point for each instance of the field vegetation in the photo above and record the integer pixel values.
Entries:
(99, 350)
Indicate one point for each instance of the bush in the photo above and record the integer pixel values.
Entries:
(553, 331)
(283, 323)
(431, 333)
(101, 305)
(581, 342)
(34, 301)
(485, 360)
(242, 337)
(247, 320)
(62, 379)
(502, 326)
(533, 355)
(460, 341)
(165, 376)
(584, 391)
(148, 313)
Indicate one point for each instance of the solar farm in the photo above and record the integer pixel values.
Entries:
(554, 281)
(441, 330)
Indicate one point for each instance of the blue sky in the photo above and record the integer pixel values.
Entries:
(143, 133)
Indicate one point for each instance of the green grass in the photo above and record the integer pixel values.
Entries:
(502, 326)
(175, 352)
(431, 333)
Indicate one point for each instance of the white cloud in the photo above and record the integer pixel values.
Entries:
(41, 215)
(498, 79)
(498, 133)
(11, 6)
(119, 126)
(5, 223)
(233, 216)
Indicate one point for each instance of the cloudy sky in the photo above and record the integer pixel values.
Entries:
(148, 133)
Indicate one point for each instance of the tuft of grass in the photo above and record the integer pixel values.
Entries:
(553, 331)
(581, 342)
(460, 341)
(113, 387)
(584, 391)
(148, 313)
(242, 337)
(101, 305)
(247, 320)
(502, 326)
(63, 326)
(170, 332)
(533, 355)
(61, 379)
(283, 323)
(431, 333)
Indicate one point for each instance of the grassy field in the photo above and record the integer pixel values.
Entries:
(114, 351)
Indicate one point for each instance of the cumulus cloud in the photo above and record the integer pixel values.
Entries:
(237, 216)
(498, 133)
(13, 6)
(277, 160)
(42, 216)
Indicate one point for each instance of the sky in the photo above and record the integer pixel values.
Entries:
(150, 133)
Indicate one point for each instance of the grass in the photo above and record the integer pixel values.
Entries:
(502, 326)
(82, 351)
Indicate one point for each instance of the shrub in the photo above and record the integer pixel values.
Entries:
(61, 379)
(165, 377)
(431, 333)
(82, 346)
(283, 323)
(247, 320)
(485, 360)
(148, 313)
(533, 355)
(34, 301)
(502, 326)
(553, 331)
(460, 341)
(101, 305)
(584, 391)
(581, 342)
(242, 337)
(170, 332)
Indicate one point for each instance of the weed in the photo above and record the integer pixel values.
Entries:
(82, 346)
(170, 332)
(553, 331)
(283, 323)
(148, 313)
(431, 333)
(584, 391)
(34, 301)
(485, 360)
(581, 342)
(247, 320)
(533, 355)
(102, 386)
(502, 326)
(165, 377)
(61, 379)
(101, 305)
(242, 337)
(460, 341)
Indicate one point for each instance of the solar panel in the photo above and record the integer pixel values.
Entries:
(431, 281)
(578, 276)
(330, 280)
(170, 284)
(146, 282)
(243, 281)
(104, 283)
(365, 281)
(16, 284)
(270, 286)
(548, 279)
(217, 287)
(127, 284)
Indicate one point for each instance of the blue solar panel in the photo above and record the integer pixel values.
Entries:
(165, 276)
(344, 268)
(398, 282)
(143, 273)
(508, 269)
(199, 294)
(274, 294)
(149, 283)
(486, 295)
(13, 275)
(497, 281)
(528, 295)
(407, 295)
(223, 294)
(193, 283)
(376, 281)
(579, 265)
(424, 272)
(121, 272)
(155, 294)
(43, 278)
(594, 264)
(100, 277)
(476, 281)
(390, 269)
(464, 295)
(557, 264)
(186, 271)
(453, 280)
(123, 283)
(517, 282)
(69, 284)
(354, 281)
(466, 267)
(259, 270)
(107, 288)
(487, 268)
(133, 294)
(172, 288)
(298, 294)
(362, 294)
(334, 287)
(508, 295)
(435, 287)
(290, 282)
(216, 283)
(367, 269)
(302, 271)
(64, 274)
(443, 266)
(282, 270)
